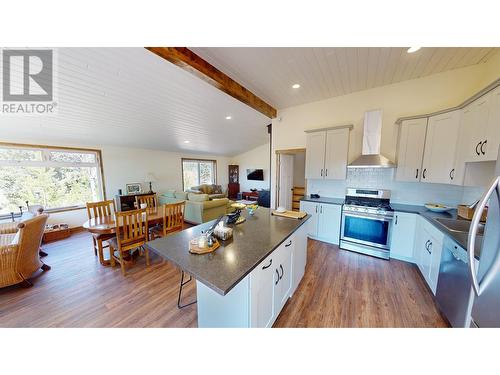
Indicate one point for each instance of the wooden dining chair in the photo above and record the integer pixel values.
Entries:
(173, 220)
(151, 200)
(100, 210)
(131, 234)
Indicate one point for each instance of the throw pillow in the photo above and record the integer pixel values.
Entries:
(217, 189)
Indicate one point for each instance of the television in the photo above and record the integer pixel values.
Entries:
(255, 174)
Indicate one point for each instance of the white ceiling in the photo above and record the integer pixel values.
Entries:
(326, 72)
(131, 97)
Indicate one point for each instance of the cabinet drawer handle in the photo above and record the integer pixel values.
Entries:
(322, 171)
(316, 209)
(429, 249)
(278, 279)
(396, 221)
(269, 265)
(416, 175)
(326, 172)
(477, 152)
(288, 244)
(427, 244)
(282, 272)
(452, 174)
(423, 173)
(482, 151)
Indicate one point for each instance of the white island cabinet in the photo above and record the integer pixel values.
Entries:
(258, 298)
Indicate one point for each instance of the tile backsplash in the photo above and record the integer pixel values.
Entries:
(401, 192)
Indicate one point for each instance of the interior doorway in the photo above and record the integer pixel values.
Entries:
(290, 179)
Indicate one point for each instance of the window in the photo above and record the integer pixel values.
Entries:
(196, 172)
(55, 178)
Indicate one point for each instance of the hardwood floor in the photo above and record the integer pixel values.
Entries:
(339, 289)
(346, 289)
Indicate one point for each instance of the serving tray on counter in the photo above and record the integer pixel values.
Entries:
(290, 214)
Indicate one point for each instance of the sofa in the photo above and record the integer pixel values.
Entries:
(213, 191)
(199, 207)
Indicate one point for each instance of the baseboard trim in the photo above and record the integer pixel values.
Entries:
(76, 229)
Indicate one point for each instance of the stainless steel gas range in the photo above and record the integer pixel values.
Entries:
(367, 222)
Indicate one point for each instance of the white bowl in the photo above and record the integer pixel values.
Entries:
(435, 207)
(281, 209)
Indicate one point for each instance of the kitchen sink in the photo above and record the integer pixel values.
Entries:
(457, 225)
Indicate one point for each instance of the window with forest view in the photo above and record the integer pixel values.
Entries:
(196, 172)
(54, 178)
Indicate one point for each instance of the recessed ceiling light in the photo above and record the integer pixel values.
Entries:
(186, 141)
(413, 49)
(228, 117)
(295, 86)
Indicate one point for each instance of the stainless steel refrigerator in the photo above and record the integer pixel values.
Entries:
(486, 276)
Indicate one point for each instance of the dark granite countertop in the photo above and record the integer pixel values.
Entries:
(459, 237)
(222, 269)
(328, 200)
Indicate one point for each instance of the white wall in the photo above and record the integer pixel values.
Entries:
(122, 165)
(125, 165)
(258, 158)
(423, 95)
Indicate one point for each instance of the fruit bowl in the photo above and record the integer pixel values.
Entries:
(437, 207)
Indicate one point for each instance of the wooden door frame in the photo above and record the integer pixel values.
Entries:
(288, 151)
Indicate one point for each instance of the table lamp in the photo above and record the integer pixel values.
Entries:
(150, 178)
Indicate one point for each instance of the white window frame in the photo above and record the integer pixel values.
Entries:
(46, 162)
(198, 160)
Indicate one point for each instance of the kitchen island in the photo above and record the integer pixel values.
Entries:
(247, 281)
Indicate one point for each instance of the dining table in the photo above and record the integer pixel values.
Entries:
(106, 225)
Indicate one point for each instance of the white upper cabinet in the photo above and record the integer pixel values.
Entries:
(480, 135)
(493, 127)
(411, 150)
(315, 155)
(440, 148)
(337, 145)
(326, 154)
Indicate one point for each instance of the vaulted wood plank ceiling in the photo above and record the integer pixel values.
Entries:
(327, 72)
(131, 97)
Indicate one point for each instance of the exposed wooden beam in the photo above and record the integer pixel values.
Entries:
(191, 62)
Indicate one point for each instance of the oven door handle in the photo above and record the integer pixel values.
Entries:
(368, 216)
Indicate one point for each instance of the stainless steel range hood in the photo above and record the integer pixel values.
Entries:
(370, 156)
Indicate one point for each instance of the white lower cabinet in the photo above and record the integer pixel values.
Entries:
(404, 226)
(324, 224)
(312, 224)
(270, 285)
(282, 274)
(275, 279)
(427, 253)
(262, 296)
(258, 298)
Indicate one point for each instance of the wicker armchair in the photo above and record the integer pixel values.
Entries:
(19, 257)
